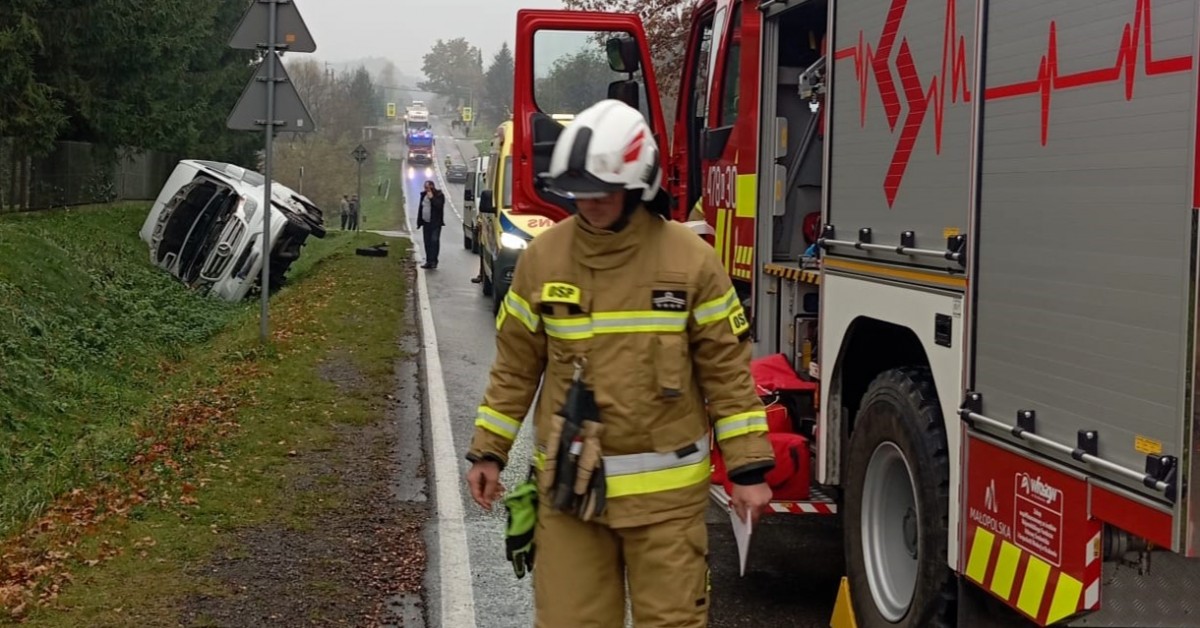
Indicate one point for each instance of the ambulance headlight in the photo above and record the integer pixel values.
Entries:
(510, 241)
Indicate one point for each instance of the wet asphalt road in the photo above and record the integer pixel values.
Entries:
(794, 565)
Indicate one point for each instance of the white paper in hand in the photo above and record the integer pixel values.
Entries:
(741, 534)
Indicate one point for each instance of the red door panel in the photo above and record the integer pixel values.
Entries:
(561, 69)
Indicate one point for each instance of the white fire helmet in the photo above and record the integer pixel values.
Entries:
(608, 147)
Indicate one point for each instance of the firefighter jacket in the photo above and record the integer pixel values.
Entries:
(663, 333)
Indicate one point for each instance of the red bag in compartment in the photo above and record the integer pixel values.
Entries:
(789, 480)
(719, 474)
(778, 419)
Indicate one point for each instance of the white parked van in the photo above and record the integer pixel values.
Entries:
(205, 228)
(476, 182)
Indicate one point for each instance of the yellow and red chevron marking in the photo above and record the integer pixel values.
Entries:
(1029, 584)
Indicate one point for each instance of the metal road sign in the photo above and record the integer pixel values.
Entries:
(391, 110)
(359, 154)
(270, 101)
(466, 114)
(291, 31)
(250, 113)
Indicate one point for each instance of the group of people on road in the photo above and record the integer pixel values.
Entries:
(349, 212)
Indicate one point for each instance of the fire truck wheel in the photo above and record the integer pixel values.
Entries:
(896, 500)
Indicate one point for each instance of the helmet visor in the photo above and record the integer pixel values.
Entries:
(576, 184)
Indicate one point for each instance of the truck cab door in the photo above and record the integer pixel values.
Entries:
(565, 62)
(692, 111)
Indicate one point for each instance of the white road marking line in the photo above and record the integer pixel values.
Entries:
(455, 582)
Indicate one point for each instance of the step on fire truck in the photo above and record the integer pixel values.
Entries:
(969, 227)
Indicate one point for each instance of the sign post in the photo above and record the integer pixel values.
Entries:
(270, 100)
(360, 155)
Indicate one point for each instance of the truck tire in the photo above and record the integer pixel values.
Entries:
(896, 505)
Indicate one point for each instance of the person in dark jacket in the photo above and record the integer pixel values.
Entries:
(430, 217)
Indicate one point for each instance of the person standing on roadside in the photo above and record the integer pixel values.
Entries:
(354, 212)
(431, 219)
(345, 211)
(626, 328)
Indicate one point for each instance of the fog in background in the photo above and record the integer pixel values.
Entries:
(402, 31)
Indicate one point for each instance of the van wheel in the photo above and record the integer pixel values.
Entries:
(466, 242)
(475, 241)
(497, 300)
(896, 505)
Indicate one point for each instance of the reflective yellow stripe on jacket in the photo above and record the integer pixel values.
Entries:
(518, 307)
(497, 423)
(740, 425)
(717, 309)
(634, 322)
(639, 474)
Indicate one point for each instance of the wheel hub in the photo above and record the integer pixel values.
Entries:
(910, 532)
(889, 531)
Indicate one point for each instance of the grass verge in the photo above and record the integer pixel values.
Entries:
(203, 440)
(87, 328)
(383, 205)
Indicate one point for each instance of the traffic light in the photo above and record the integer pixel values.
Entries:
(391, 110)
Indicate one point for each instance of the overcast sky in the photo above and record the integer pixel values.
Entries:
(404, 30)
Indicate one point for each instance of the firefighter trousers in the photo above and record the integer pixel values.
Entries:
(580, 573)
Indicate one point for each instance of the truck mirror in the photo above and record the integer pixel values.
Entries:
(485, 203)
(623, 54)
(626, 92)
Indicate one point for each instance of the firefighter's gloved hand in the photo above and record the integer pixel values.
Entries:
(522, 505)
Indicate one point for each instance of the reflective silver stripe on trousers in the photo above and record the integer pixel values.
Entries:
(629, 464)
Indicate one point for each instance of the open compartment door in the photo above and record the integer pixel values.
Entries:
(565, 62)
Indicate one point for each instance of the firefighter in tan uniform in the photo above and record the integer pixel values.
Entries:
(639, 311)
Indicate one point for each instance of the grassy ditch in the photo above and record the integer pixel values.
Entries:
(140, 425)
(87, 328)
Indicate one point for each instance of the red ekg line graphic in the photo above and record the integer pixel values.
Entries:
(1049, 80)
(919, 97)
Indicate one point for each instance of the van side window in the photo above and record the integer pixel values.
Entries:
(732, 75)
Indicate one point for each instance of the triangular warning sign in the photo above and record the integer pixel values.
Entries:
(250, 113)
(291, 31)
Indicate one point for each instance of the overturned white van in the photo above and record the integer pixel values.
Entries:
(205, 228)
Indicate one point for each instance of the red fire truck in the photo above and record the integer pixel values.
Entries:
(969, 229)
